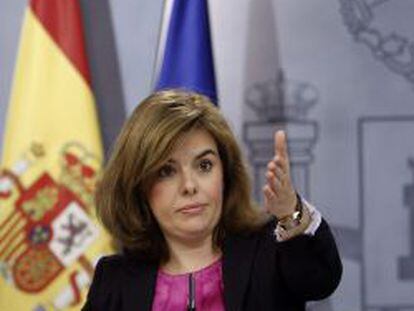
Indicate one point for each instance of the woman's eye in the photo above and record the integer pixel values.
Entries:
(206, 165)
(166, 171)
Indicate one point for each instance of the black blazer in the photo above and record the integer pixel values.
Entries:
(258, 274)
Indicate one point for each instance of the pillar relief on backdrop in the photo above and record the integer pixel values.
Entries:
(280, 104)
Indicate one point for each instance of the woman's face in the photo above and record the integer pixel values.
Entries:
(187, 196)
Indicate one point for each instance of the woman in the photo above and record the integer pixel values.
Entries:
(176, 196)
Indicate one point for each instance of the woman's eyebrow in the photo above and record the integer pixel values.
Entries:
(206, 152)
(200, 155)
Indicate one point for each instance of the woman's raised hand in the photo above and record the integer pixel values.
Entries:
(279, 194)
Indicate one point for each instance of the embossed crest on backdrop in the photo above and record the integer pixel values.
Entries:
(376, 25)
(387, 273)
(385, 29)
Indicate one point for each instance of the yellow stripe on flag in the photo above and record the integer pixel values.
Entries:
(51, 102)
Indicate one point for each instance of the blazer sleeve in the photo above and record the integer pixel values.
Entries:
(90, 303)
(310, 265)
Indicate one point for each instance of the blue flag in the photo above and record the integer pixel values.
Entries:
(187, 61)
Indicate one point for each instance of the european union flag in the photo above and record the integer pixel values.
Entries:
(187, 60)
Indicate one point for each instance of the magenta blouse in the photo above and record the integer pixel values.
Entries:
(171, 291)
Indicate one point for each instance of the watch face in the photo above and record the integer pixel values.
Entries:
(291, 221)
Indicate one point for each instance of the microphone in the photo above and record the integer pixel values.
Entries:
(191, 293)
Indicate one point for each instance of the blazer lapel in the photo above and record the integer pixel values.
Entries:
(238, 255)
(138, 288)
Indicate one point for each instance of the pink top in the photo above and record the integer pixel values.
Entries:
(171, 291)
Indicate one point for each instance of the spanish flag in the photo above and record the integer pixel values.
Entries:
(49, 237)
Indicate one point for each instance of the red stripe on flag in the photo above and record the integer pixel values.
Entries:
(75, 288)
(62, 19)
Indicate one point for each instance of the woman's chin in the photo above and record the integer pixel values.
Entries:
(194, 232)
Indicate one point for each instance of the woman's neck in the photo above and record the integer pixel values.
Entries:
(190, 256)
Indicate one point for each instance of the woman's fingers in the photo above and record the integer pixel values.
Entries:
(279, 170)
(281, 151)
(275, 180)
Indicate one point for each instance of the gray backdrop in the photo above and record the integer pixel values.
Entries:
(338, 75)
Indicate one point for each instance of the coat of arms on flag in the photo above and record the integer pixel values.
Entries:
(49, 227)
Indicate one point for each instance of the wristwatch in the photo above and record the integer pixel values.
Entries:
(293, 220)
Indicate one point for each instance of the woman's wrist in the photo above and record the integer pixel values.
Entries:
(293, 224)
(294, 207)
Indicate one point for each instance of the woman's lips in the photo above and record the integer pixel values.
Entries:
(192, 208)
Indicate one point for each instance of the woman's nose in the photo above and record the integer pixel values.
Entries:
(190, 186)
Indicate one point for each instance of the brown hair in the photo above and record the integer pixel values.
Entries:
(143, 145)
